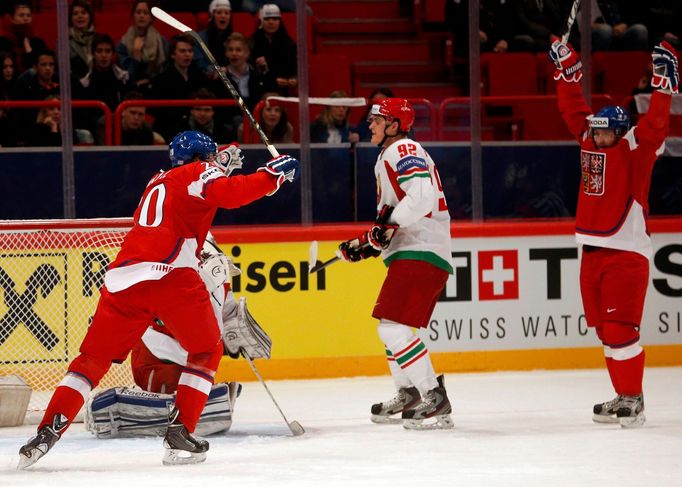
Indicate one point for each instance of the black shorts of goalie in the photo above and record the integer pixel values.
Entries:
(123, 412)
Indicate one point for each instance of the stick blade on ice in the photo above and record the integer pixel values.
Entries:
(169, 19)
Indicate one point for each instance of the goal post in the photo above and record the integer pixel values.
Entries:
(50, 275)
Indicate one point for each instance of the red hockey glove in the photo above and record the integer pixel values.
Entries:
(381, 233)
(567, 62)
(666, 76)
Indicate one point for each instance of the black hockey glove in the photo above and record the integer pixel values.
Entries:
(357, 249)
(381, 233)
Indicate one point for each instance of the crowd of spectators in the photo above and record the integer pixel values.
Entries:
(144, 65)
(532, 25)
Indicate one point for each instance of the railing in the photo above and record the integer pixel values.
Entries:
(7, 105)
(163, 104)
(531, 117)
(250, 135)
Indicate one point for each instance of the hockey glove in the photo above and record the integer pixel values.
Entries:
(230, 158)
(357, 249)
(381, 233)
(285, 168)
(666, 76)
(567, 62)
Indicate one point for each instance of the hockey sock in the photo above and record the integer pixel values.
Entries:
(193, 389)
(630, 373)
(612, 370)
(411, 357)
(68, 399)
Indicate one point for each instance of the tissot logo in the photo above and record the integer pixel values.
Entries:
(498, 275)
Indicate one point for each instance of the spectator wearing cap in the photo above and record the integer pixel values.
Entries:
(273, 50)
(215, 35)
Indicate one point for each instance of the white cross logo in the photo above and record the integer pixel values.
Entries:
(498, 275)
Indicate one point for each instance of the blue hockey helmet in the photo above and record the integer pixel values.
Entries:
(611, 117)
(191, 145)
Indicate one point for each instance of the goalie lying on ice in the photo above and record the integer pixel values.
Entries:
(158, 361)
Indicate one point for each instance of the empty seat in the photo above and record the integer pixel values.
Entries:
(510, 73)
(618, 73)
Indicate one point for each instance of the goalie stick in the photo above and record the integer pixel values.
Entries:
(165, 17)
(294, 426)
(571, 19)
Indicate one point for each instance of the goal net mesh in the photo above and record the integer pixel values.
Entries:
(50, 276)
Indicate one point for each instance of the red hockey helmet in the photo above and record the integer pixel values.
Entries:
(395, 109)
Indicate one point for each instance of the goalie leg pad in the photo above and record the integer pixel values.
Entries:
(122, 412)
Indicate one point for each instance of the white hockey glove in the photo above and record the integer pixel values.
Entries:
(242, 334)
(230, 158)
(666, 76)
(215, 271)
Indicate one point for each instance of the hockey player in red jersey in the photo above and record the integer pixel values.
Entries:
(412, 235)
(155, 276)
(611, 220)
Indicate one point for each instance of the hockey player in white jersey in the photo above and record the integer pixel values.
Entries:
(412, 235)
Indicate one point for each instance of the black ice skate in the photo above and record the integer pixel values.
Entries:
(605, 412)
(181, 447)
(38, 446)
(435, 405)
(407, 397)
(631, 412)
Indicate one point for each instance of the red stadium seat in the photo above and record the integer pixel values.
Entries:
(242, 22)
(618, 73)
(329, 72)
(114, 23)
(167, 31)
(510, 73)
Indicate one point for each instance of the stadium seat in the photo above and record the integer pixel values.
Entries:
(510, 73)
(328, 72)
(114, 23)
(167, 31)
(618, 73)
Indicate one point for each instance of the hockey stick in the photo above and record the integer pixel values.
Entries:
(176, 24)
(294, 426)
(571, 19)
(313, 264)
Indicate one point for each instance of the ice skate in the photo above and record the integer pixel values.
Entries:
(38, 446)
(435, 405)
(605, 412)
(406, 398)
(181, 447)
(631, 412)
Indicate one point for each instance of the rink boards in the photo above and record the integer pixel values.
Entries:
(512, 304)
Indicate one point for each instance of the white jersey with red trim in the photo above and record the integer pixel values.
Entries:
(408, 180)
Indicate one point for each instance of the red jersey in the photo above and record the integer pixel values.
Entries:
(614, 188)
(174, 215)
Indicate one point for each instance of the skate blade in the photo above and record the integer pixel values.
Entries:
(26, 461)
(379, 419)
(441, 422)
(604, 419)
(632, 422)
(182, 457)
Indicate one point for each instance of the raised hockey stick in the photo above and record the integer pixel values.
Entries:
(570, 21)
(165, 17)
(294, 426)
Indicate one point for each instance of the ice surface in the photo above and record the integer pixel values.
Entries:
(511, 429)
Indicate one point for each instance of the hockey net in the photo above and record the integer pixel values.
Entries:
(50, 276)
